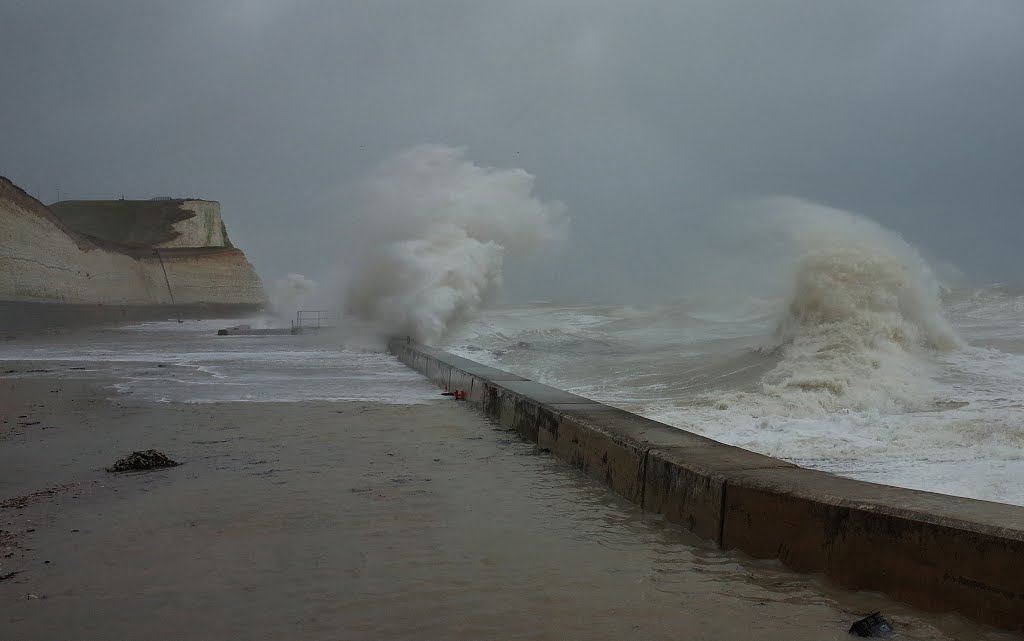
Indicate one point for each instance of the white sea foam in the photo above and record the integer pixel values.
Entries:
(859, 373)
(862, 319)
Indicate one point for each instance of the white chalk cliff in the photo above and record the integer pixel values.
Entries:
(162, 252)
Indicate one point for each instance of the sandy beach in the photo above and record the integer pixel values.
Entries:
(351, 520)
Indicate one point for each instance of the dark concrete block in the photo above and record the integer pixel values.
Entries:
(604, 454)
(687, 483)
(933, 551)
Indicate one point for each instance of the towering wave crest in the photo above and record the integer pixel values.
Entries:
(863, 315)
(439, 229)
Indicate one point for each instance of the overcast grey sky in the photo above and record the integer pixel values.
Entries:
(644, 117)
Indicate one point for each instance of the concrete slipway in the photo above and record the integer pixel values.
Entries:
(937, 552)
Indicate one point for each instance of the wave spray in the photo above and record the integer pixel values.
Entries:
(863, 313)
(439, 229)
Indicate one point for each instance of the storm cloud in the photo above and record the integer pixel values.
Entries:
(647, 119)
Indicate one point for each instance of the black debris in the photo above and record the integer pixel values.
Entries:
(873, 625)
(146, 460)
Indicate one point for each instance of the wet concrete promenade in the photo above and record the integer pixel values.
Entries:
(360, 521)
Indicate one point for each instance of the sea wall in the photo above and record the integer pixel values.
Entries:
(43, 260)
(937, 552)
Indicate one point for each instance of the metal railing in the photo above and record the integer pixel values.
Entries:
(314, 318)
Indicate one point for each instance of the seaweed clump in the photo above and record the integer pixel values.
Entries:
(145, 460)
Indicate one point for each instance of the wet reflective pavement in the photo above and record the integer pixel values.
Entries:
(321, 520)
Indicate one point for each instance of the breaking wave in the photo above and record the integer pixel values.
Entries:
(442, 228)
(862, 318)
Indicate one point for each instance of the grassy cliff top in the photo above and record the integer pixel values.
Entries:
(126, 222)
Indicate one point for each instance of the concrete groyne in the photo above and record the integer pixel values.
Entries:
(939, 553)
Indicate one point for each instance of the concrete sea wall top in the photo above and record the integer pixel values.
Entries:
(937, 552)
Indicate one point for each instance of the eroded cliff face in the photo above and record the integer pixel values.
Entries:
(204, 229)
(211, 275)
(43, 258)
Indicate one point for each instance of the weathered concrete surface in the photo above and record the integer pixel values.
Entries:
(44, 260)
(937, 552)
(687, 483)
(613, 456)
